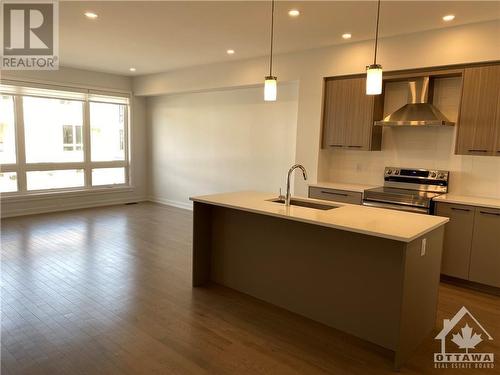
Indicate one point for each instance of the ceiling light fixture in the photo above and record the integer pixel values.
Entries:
(293, 13)
(346, 36)
(448, 18)
(132, 69)
(91, 15)
(271, 82)
(230, 51)
(374, 71)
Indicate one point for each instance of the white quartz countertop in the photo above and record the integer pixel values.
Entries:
(390, 224)
(359, 188)
(469, 200)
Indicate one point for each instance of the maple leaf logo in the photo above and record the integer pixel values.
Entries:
(466, 340)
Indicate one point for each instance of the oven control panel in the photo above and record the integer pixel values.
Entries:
(410, 173)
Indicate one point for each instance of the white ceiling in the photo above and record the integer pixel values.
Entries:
(165, 35)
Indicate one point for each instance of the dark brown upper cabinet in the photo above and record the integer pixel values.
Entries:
(479, 119)
(348, 115)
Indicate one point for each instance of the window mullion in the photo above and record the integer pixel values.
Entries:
(53, 166)
(86, 144)
(20, 143)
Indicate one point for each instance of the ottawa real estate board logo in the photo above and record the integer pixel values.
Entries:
(30, 35)
(461, 334)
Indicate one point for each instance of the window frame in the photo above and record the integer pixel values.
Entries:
(21, 167)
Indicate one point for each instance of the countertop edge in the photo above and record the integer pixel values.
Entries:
(469, 201)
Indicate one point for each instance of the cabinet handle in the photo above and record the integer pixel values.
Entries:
(489, 213)
(474, 150)
(460, 209)
(354, 146)
(332, 193)
(336, 146)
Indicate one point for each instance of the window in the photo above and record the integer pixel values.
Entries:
(7, 130)
(57, 145)
(43, 121)
(42, 180)
(122, 140)
(8, 182)
(108, 176)
(107, 125)
(72, 137)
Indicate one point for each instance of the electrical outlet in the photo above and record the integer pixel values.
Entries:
(424, 245)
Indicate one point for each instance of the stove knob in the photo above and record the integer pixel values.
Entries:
(433, 174)
(396, 172)
(441, 175)
(389, 171)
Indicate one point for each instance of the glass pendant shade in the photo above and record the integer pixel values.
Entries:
(374, 79)
(270, 89)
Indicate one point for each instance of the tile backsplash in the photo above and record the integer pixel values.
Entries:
(429, 148)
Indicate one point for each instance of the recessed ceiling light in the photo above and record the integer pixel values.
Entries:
(448, 18)
(230, 51)
(91, 15)
(132, 69)
(346, 36)
(293, 13)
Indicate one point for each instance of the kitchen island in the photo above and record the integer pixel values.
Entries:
(370, 272)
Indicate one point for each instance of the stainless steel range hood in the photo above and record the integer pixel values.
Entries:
(419, 111)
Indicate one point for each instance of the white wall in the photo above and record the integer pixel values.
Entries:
(217, 141)
(461, 44)
(417, 148)
(82, 78)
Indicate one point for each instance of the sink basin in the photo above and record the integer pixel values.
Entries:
(301, 203)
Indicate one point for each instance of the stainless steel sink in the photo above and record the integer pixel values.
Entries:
(297, 202)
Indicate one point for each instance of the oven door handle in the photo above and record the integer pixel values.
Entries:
(396, 207)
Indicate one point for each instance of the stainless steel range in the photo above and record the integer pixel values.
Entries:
(408, 189)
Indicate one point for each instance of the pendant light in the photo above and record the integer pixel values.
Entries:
(270, 82)
(374, 71)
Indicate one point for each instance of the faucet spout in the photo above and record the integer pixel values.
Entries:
(304, 174)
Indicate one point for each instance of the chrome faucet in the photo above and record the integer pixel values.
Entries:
(304, 173)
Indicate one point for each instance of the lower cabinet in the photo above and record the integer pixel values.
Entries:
(485, 255)
(471, 248)
(457, 239)
(335, 195)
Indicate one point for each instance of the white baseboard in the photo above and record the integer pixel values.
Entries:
(168, 202)
(57, 206)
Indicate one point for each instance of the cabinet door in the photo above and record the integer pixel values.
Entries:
(360, 116)
(497, 147)
(485, 255)
(478, 111)
(347, 114)
(335, 113)
(457, 239)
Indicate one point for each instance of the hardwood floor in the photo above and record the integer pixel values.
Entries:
(108, 291)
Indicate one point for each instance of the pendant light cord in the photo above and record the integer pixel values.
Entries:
(376, 34)
(272, 36)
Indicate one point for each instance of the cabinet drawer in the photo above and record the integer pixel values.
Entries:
(457, 239)
(485, 254)
(343, 196)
